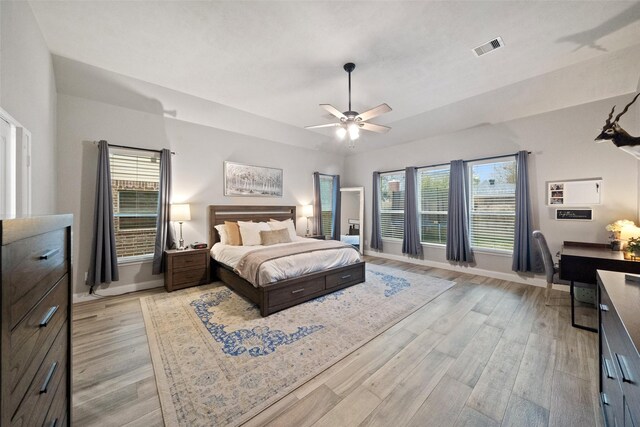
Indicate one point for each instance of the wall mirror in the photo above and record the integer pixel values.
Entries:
(352, 216)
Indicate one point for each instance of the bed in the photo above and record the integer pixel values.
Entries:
(285, 292)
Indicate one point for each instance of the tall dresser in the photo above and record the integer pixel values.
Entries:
(35, 327)
(619, 336)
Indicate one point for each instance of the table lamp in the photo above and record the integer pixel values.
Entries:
(307, 211)
(180, 212)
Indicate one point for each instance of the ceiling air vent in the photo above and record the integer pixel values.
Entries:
(489, 46)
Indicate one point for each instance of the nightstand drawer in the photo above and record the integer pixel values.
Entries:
(190, 260)
(195, 276)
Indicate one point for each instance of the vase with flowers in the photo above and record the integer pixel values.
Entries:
(615, 230)
(633, 247)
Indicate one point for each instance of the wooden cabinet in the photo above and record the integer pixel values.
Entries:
(619, 340)
(186, 268)
(35, 325)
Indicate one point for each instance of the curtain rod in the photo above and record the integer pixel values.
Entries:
(132, 148)
(446, 164)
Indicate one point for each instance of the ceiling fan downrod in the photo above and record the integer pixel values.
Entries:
(349, 67)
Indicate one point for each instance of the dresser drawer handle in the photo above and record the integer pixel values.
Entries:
(604, 307)
(608, 368)
(50, 253)
(47, 380)
(48, 315)
(297, 291)
(53, 423)
(604, 399)
(346, 277)
(624, 368)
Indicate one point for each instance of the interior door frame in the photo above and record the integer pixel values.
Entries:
(360, 190)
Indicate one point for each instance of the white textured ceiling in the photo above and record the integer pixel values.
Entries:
(279, 60)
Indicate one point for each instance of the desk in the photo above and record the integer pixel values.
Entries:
(579, 261)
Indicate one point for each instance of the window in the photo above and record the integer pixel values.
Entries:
(135, 183)
(434, 202)
(392, 205)
(326, 203)
(492, 204)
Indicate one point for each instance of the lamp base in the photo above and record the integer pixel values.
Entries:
(181, 241)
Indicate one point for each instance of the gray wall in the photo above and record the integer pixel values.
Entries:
(28, 93)
(197, 170)
(563, 148)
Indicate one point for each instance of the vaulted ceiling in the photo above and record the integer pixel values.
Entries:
(276, 61)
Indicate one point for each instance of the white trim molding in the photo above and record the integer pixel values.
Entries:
(102, 292)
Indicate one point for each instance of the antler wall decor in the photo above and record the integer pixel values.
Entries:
(613, 132)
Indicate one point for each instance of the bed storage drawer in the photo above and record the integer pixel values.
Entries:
(346, 276)
(292, 293)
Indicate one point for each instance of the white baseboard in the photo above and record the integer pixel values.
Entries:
(117, 290)
(512, 277)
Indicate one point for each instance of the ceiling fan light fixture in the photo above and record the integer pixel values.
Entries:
(354, 131)
(341, 132)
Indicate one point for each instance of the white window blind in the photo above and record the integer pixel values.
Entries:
(392, 205)
(135, 180)
(434, 202)
(326, 203)
(492, 204)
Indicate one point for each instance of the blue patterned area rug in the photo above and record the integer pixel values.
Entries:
(217, 362)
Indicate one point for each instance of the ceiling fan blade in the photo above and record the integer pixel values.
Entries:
(375, 128)
(374, 112)
(328, 125)
(334, 111)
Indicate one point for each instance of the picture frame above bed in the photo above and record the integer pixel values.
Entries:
(242, 180)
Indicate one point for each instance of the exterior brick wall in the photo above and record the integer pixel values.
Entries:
(132, 242)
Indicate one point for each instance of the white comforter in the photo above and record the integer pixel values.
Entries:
(286, 267)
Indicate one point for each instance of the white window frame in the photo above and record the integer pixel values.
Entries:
(469, 169)
(391, 211)
(15, 169)
(421, 212)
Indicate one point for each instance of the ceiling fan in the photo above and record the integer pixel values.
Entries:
(351, 121)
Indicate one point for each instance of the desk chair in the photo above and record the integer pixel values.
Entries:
(551, 271)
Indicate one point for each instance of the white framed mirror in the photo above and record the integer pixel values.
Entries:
(352, 216)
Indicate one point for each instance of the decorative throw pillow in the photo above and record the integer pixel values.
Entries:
(234, 238)
(222, 233)
(286, 224)
(250, 232)
(274, 236)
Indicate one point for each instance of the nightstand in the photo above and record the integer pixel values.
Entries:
(186, 268)
(316, 236)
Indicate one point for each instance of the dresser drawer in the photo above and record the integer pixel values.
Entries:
(32, 338)
(57, 414)
(42, 391)
(292, 293)
(30, 268)
(190, 260)
(198, 275)
(348, 275)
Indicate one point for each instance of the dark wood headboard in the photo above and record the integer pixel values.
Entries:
(218, 214)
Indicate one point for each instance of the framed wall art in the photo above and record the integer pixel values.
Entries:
(251, 181)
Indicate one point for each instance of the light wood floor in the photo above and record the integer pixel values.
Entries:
(485, 353)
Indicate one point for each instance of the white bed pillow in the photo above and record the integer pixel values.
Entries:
(286, 224)
(250, 232)
(222, 233)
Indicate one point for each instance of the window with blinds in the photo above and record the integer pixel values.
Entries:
(135, 184)
(392, 205)
(326, 203)
(492, 204)
(434, 203)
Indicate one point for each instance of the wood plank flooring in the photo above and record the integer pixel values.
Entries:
(487, 352)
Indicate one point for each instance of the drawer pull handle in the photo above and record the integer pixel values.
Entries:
(604, 307)
(48, 315)
(47, 380)
(624, 369)
(604, 399)
(50, 253)
(608, 368)
(297, 291)
(53, 423)
(346, 277)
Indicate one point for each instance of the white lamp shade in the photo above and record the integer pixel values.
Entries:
(307, 211)
(180, 212)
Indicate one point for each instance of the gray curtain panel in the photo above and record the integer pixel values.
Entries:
(376, 231)
(317, 205)
(104, 260)
(164, 233)
(526, 258)
(458, 246)
(335, 213)
(411, 239)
